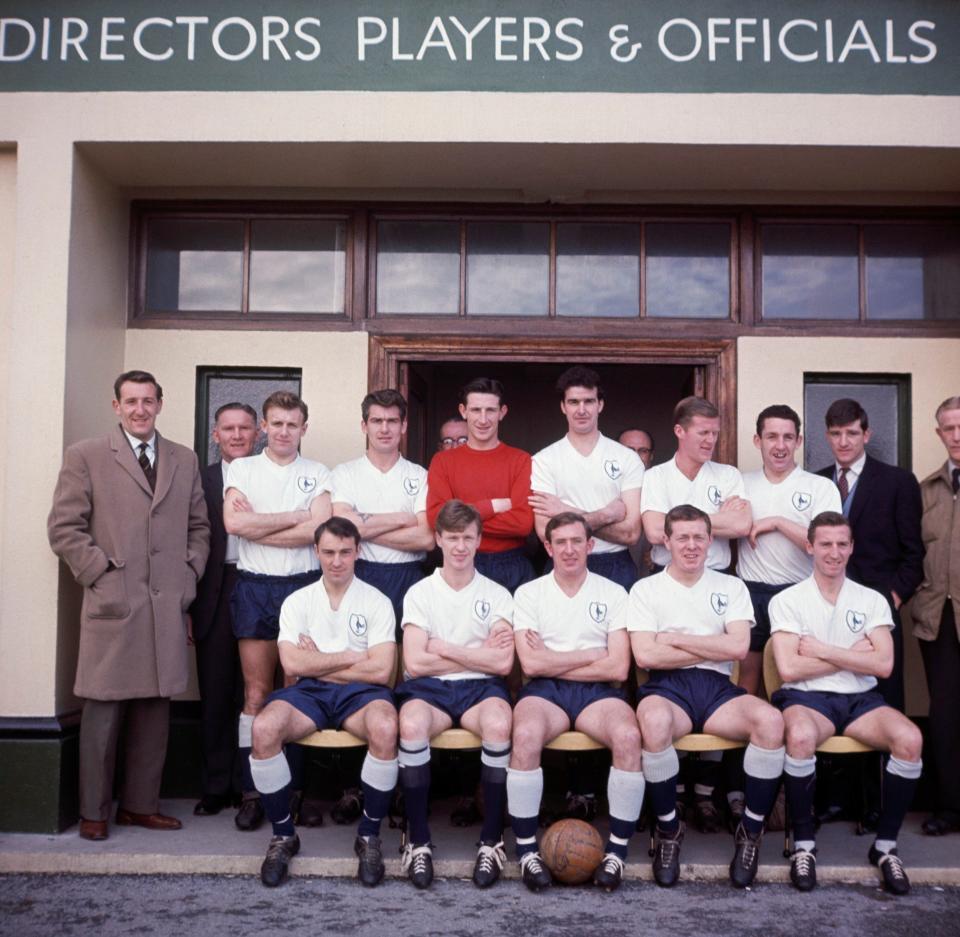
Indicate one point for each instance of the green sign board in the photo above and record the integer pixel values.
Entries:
(674, 46)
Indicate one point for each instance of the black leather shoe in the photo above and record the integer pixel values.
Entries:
(803, 869)
(250, 815)
(276, 866)
(534, 872)
(311, 813)
(210, 805)
(370, 866)
(746, 858)
(666, 858)
(347, 810)
(941, 823)
(894, 875)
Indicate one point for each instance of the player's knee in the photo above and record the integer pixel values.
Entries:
(412, 725)
(254, 697)
(768, 727)
(906, 742)
(801, 738)
(656, 727)
(382, 727)
(266, 734)
(527, 739)
(625, 742)
(497, 726)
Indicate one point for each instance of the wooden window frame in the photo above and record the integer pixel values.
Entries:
(360, 271)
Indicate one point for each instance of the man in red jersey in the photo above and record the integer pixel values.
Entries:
(492, 477)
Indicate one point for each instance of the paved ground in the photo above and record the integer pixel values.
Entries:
(157, 906)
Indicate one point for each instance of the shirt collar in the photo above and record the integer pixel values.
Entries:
(855, 469)
(135, 443)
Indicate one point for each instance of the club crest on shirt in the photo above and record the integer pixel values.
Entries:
(612, 468)
(719, 602)
(598, 611)
(306, 483)
(715, 496)
(801, 500)
(481, 609)
(411, 485)
(358, 624)
(856, 620)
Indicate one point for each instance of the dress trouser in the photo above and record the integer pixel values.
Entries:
(941, 661)
(145, 724)
(220, 681)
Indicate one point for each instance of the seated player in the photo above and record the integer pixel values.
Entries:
(457, 648)
(688, 624)
(337, 639)
(831, 641)
(571, 640)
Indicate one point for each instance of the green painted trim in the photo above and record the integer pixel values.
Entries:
(38, 790)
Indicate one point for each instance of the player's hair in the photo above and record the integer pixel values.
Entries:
(844, 411)
(482, 385)
(386, 398)
(689, 407)
(236, 405)
(778, 411)
(951, 403)
(566, 517)
(455, 516)
(685, 512)
(284, 400)
(827, 519)
(340, 527)
(136, 377)
(579, 376)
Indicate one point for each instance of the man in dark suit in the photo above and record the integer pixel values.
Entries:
(129, 519)
(882, 503)
(218, 663)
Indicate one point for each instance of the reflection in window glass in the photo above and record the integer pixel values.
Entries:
(194, 265)
(913, 271)
(418, 267)
(688, 269)
(508, 268)
(297, 265)
(598, 270)
(810, 271)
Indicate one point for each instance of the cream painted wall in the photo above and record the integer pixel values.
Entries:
(770, 370)
(334, 366)
(8, 229)
(35, 339)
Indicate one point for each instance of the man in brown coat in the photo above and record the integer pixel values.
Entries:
(129, 520)
(935, 610)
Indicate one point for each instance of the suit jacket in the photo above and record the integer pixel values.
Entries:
(138, 555)
(204, 607)
(885, 517)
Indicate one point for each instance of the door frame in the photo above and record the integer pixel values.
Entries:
(714, 362)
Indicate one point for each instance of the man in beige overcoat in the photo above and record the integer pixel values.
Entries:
(130, 521)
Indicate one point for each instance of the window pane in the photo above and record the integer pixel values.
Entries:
(688, 270)
(297, 265)
(194, 265)
(598, 270)
(418, 267)
(913, 271)
(810, 271)
(508, 268)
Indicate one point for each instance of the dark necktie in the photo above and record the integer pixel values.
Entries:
(843, 485)
(956, 480)
(148, 469)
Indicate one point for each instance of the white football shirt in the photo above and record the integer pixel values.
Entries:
(802, 609)
(661, 603)
(665, 487)
(367, 490)
(463, 617)
(363, 620)
(587, 482)
(273, 489)
(571, 623)
(800, 497)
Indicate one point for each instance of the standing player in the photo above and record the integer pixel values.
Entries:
(831, 639)
(492, 477)
(457, 648)
(784, 499)
(386, 498)
(274, 502)
(336, 639)
(688, 624)
(587, 473)
(691, 477)
(571, 640)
